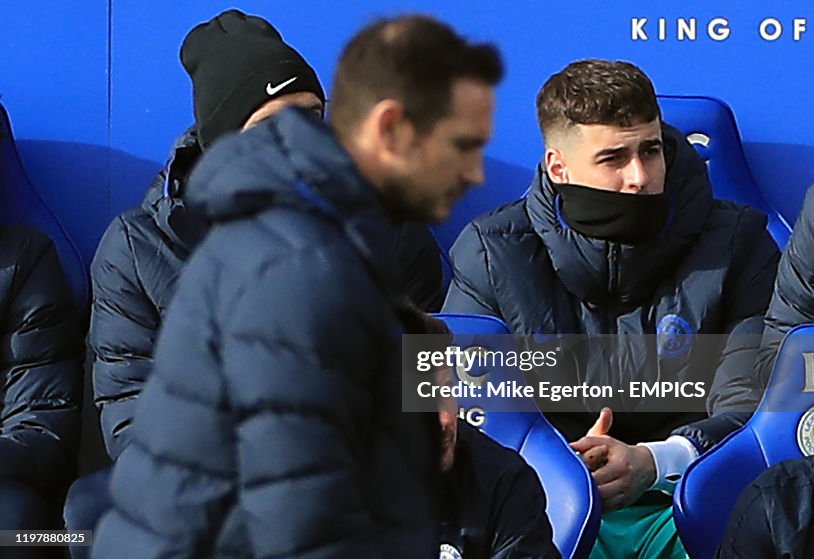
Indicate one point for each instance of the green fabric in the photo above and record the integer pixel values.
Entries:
(640, 531)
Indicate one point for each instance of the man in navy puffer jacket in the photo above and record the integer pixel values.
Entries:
(614, 238)
(242, 73)
(271, 425)
(231, 59)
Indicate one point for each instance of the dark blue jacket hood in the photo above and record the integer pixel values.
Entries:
(246, 174)
(164, 200)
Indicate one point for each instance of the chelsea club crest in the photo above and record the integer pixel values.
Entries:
(449, 551)
(674, 336)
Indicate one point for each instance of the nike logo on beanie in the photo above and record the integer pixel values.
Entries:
(273, 90)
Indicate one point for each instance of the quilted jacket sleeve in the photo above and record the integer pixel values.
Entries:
(40, 362)
(293, 382)
(123, 330)
(471, 289)
(773, 515)
(736, 390)
(793, 300)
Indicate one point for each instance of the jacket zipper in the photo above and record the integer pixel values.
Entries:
(611, 342)
(613, 282)
(613, 271)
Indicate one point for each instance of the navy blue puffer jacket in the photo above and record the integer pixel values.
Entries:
(40, 373)
(494, 506)
(134, 276)
(711, 270)
(271, 425)
(793, 300)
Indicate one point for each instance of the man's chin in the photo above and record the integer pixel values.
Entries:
(429, 216)
(441, 214)
(424, 214)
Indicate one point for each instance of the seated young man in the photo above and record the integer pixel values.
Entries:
(40, 385)
(142, 252)
(615, 238)
(774, 516)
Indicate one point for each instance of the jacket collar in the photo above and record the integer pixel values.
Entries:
(169, 182)
(164, 198)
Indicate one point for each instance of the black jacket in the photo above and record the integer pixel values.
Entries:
(272, 422)
(709, 272)
(493, 504)
(135, 270)
(39, 363)
(774, 516)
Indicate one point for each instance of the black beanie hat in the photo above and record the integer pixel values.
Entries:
(237, 63)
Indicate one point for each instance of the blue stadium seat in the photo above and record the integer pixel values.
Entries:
(709, 125)
(574, 506)
(504, 183)
(20, 203)
(783, 423)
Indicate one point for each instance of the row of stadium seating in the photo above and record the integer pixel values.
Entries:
(710, 486)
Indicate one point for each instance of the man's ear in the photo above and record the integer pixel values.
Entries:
(555, 166)
(395, 134)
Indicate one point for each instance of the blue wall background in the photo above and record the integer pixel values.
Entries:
(96, 93)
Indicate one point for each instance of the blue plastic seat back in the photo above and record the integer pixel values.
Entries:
(21, 204)
(574, 506)
(510, 428)
(710, 126)
(711, 485)
(504, 183)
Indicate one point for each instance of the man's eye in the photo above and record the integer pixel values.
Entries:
(467, 145)
(653, 151)
(612, 159)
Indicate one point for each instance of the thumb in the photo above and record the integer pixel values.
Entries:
(603, 423)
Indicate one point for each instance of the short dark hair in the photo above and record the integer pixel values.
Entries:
(413, 59)
(596, 92)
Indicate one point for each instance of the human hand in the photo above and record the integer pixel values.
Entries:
(597, 456)
(621, 471)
